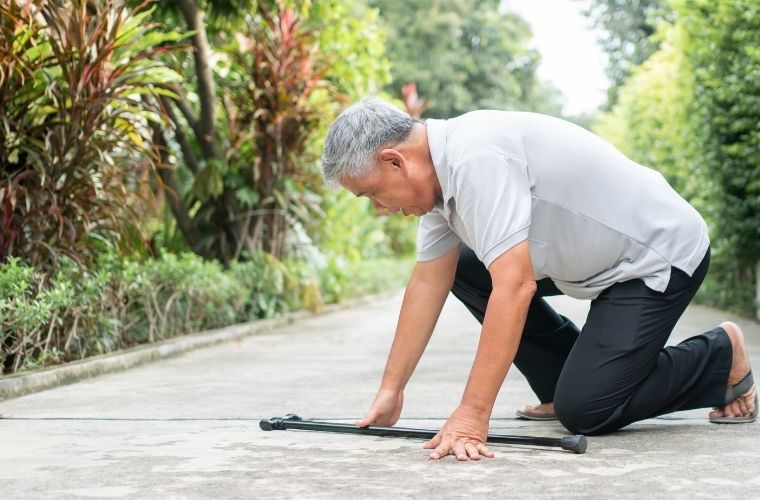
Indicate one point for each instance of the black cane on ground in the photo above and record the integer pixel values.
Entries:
(575, 443)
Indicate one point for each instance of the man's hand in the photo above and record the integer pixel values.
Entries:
(463, 435)
(385, 410)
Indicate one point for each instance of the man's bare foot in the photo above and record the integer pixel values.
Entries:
(539, 411)
(744, 404)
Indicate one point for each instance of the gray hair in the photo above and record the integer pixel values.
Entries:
(356, 136)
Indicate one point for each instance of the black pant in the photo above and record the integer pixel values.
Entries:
(616, 370)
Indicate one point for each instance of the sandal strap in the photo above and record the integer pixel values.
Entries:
(737, 390)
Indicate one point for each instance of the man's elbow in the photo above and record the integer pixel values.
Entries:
(529, 286)
(522, 288)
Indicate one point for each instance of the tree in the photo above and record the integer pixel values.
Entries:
(722, 50)
(248, 150)
(691, 111)
(626, 33)
(462, 54)
(650, 120)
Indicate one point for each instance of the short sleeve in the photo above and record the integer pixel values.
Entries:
(434, 237)
(493, 200)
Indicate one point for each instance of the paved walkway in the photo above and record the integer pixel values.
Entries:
(188, 427)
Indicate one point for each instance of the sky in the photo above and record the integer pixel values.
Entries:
(570, 57)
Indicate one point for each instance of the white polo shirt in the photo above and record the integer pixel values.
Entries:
(592, 217)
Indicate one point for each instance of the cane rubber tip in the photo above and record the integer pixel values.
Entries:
(292, 416)
(576, 444)
(271, 424)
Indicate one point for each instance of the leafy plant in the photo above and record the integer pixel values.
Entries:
(248, 123)
(74, 142)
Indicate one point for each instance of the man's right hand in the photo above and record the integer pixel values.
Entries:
(386, 409)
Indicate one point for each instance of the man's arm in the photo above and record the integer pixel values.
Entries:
(425, 295)
(513, 288)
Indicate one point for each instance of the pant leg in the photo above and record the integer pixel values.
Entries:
(618, 371)
(547, 337)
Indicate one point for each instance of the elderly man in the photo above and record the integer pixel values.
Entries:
(516, 206)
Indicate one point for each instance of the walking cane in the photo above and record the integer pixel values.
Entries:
(576, 443)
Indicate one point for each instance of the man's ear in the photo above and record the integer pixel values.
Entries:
(391, 158)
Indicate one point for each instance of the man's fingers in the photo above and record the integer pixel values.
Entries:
(368, 419)
(483, 450)
(433, 442)
(443, 449)
(472, 451)
(440, 452)
(459, 451)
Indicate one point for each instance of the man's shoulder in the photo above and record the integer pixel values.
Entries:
(479, 134)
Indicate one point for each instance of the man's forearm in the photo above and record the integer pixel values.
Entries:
(419, 313)
(499, 340)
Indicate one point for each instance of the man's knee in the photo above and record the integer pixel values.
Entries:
(571, 413)
(580, 415)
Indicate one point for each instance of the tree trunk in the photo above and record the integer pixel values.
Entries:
(206, 87)
(177, 205)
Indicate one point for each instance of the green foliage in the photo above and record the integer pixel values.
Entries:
(352, 229)
(626, 35)
(724, 37)
(727, 285)
(249, 128)
(121, 303)
(38, 322)
(343, 280)
(722, 49)
(73, 141)
(277, 69)
(177, 294)
(465, 55)
(352, 41)
(692, 111)
(650, 122)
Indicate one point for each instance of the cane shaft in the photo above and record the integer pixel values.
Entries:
(576, 444)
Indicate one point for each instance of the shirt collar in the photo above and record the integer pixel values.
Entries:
(436, 133)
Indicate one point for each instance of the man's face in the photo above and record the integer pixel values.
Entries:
(390, 190)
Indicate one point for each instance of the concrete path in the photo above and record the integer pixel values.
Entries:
(188, 427)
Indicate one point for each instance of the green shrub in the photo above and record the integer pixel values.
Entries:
(691, 111)
(352, 230)
(119, 303)
(178, 294)
(722, 49)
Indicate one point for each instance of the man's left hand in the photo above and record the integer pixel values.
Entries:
(463, 435)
